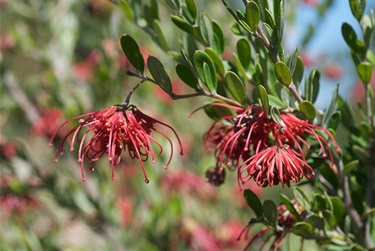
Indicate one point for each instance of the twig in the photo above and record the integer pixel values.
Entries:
(22, 100)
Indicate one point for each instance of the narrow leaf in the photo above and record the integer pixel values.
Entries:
(252, 15)
(192, 8)
(244, 52)
(302, 198)
(235, 87)
(206, 30)
(160, 35)
(206, 70)
(159, 74)
(187, 76)
(270, 212)
(132, 52)
(253, 202)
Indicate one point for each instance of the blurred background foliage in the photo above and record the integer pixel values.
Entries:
(59, 59)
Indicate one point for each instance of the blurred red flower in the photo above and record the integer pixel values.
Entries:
(48, 122)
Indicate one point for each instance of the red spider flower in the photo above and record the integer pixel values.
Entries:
(236, 137)
(293, 130)
(115, 129)
(285, 222)
(273, 165)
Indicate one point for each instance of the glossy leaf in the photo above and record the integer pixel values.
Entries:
(335, 120)
(260, 96)
(312, 86)
(181, 23)
(330, 218)
(332, 106)
(159, 74)
(192, 8)
(235, 87)
(351, 38)
(206, 70)
(218, 62)
(303, 229)
(298, 71)
(308, 109)
(301, 198)
(364, 71)
(282, 73)
(174, 4)
(253, 202)
(244, 52)
(252, 15)
(270, 212)
(357, 8)
(219, 40)
(206, 30)
(133, 53)
(292, 62)
(160, 36)
(338, 208)
(187, 76)
(275, 115)
(316, 221)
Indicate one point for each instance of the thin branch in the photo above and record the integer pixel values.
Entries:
(22, 100)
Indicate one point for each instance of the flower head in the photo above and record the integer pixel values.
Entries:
(273, 165)
(115, 129)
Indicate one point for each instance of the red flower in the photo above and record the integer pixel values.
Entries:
(273, 165)
(47, 122)
(292, 133)
(232, 137)
(115, 129)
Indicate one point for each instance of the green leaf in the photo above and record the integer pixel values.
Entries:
(275, 115)
(303, 229)
(239, 66)
(218, 62)
(308, 109)
(327, 172)
(320, 202)
(275, 102)
(335, 120)
(217, 112)
(282, 73)
(126, 8)
(260, 94)
(206, 70)
(181, 23)
(270, 212)
(159, 74)
(301, 198)
(252, 16)
(132, 52)
(330, 218)
(187, 76)
(312, 85)
(192, 8)
(160, 36)
(332, 106)
(174, 4)
(364, 71)
(352, 165)
(298, 71)
(286, 201)
(292, 63)
(279, 19)
(369, 212)
(347, 113)
(285, 96)
(361, 153)
(316, 221)
(244, 52)
(351, 38)
(357, 9)
(370, 56)
(219, 40)
(253, 202)
(206, 30)
(236, 87)
(338, 208)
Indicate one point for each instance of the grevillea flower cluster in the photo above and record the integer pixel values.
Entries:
(262, 149)
(112, 131)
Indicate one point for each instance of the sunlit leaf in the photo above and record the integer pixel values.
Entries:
(235, 87)
(283, 73)
(252, 15)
